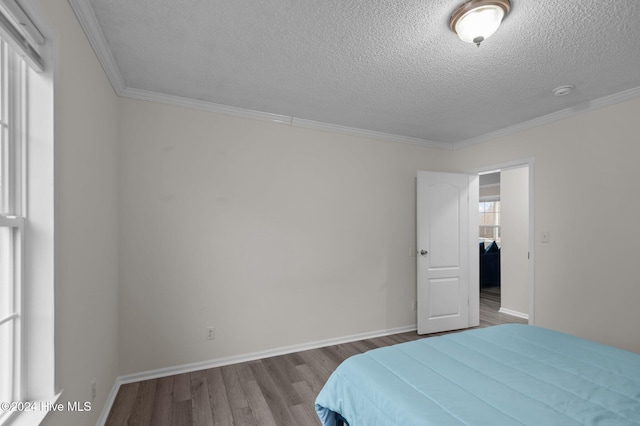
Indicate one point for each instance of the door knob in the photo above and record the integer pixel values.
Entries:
(423, 252)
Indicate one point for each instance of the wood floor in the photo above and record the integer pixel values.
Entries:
(272, 391)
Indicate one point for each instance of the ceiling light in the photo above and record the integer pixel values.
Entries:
(476, 20)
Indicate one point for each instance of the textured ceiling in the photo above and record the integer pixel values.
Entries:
(388, 66)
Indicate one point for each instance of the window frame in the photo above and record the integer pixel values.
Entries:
(37, 371)
(496, 226)
(12, 216)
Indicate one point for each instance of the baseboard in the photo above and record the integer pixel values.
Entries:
(513, 313)
(109, 403)
(220, 362)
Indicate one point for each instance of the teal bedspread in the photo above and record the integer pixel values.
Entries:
(502, 375)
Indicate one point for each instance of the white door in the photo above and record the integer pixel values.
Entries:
(447, 252)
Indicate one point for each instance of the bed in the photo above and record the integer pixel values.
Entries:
(502, 375)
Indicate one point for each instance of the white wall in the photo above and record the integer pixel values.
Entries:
(86, 214)
(273, 234)
(514, 224)
(278, 235)
(587, 182)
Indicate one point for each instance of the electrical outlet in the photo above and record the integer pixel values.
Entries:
(414, 305)
(93, 389)
(211, 333)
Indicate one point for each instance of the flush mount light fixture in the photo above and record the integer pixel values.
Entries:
(476, 20)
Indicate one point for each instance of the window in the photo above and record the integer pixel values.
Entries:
(490, 221)
(12, 224)
(27, 266)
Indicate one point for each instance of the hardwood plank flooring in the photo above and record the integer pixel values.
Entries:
(272, 391)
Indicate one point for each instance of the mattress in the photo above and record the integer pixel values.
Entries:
(503, 375)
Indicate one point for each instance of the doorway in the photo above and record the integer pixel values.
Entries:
(506, 238)
(447, 244)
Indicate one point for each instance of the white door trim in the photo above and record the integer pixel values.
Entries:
(526, 162)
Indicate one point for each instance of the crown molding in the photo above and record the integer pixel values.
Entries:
(93, 31)
(625, 95)
(147, 95)
(151, 96)
(336, 128)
